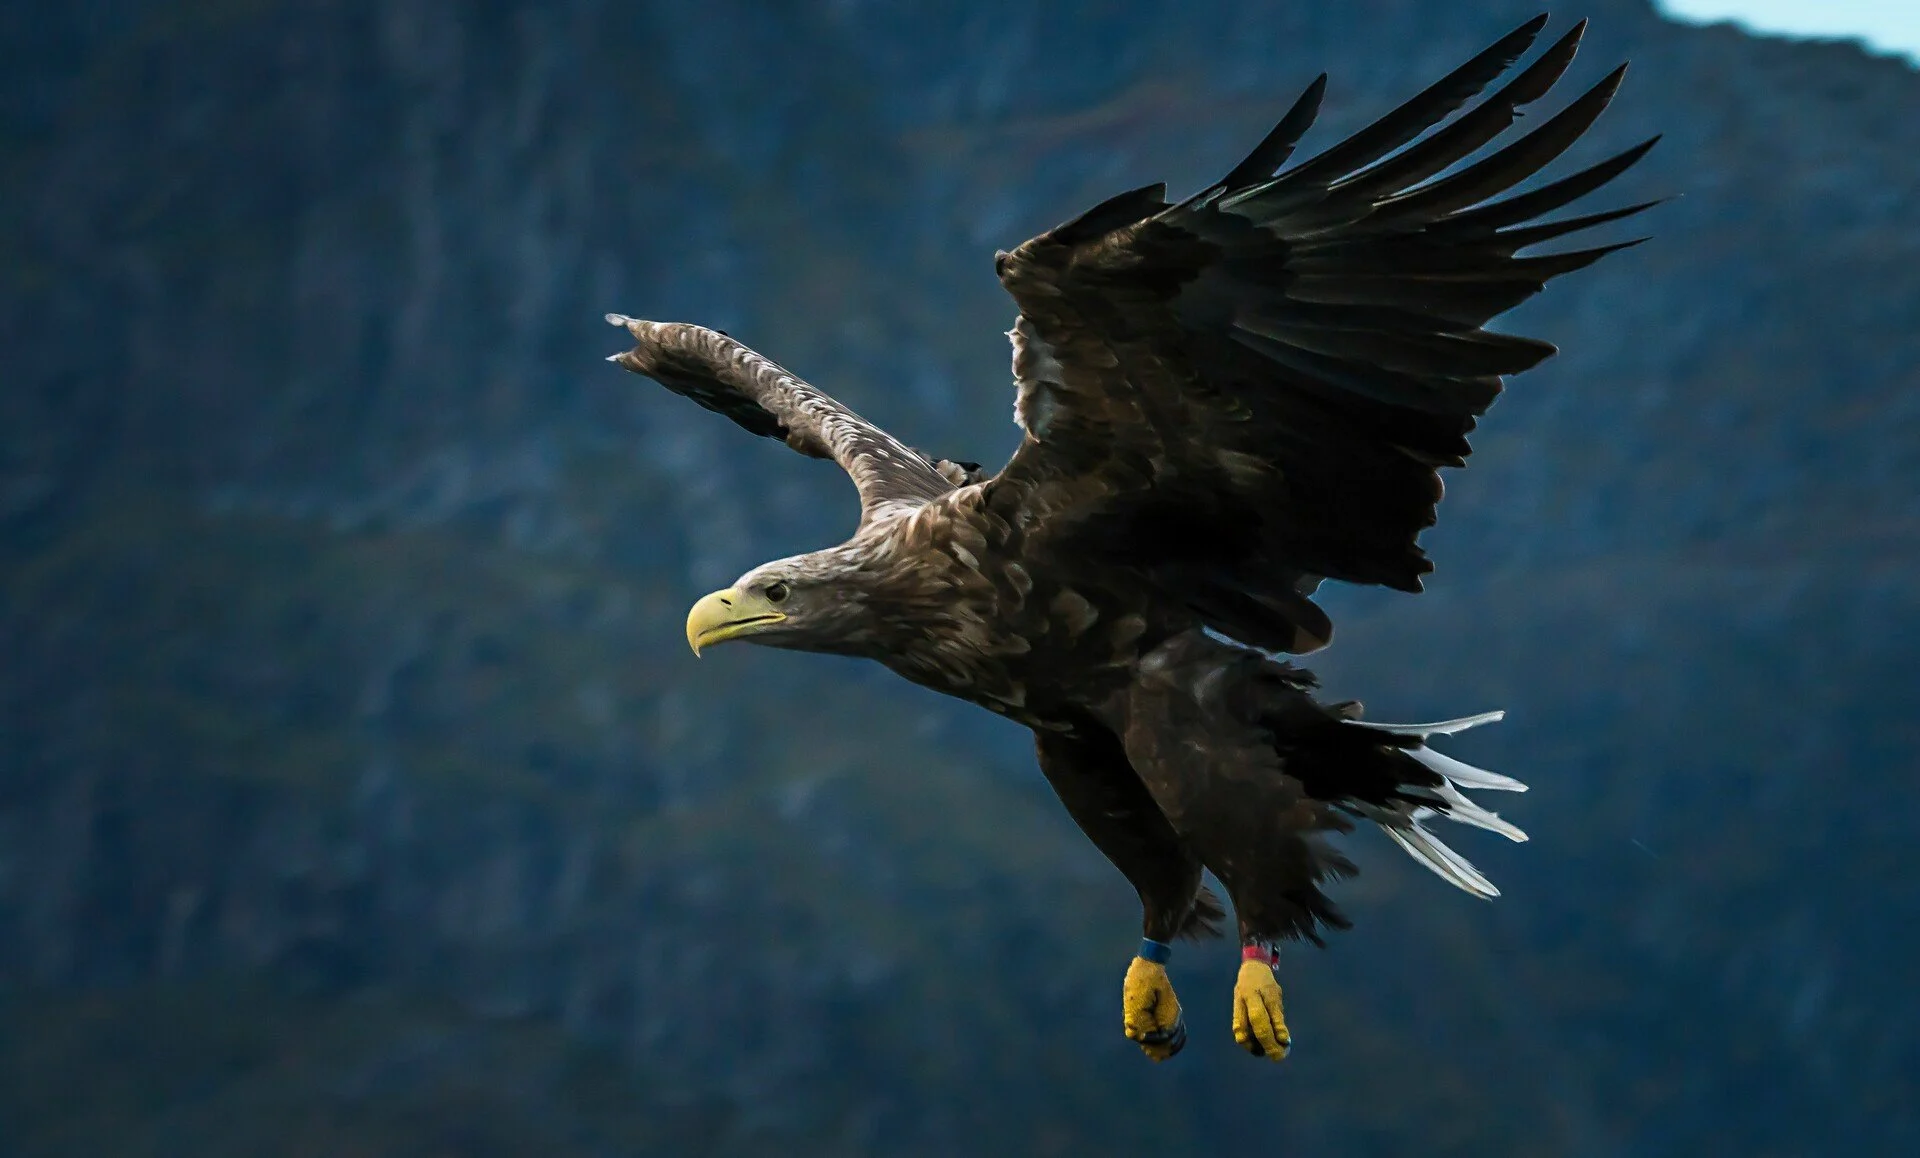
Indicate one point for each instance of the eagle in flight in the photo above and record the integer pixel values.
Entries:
(1226, 401)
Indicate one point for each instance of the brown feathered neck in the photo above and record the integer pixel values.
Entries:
(874, 596)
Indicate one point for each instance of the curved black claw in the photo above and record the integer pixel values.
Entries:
(1171, 1041)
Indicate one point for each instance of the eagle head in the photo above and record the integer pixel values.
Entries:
(814, 602)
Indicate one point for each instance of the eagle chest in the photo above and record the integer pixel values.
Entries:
(1056, 643)
(984, 633)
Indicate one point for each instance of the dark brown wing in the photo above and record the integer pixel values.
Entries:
(728, 378)
(1254, 388)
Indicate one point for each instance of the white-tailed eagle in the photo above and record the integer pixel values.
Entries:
(1226, 401)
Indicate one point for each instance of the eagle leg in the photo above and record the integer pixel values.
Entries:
(1259, 1024)
(1150, 1010)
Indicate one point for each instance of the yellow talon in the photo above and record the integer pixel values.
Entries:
(1258, 1023)
(1150, 1010)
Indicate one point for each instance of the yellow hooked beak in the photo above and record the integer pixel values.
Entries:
(726, 615)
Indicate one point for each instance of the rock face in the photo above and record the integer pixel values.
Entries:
(357, 793)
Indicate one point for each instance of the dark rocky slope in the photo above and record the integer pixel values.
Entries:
(357, 793)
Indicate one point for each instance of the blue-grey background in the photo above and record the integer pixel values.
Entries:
(358, 795)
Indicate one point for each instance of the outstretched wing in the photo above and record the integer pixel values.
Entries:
(1255, 388)
(728, 378)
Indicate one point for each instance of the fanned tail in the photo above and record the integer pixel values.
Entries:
(1438, 793)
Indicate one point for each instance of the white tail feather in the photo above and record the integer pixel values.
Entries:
(1440, 728)
(1463, 774)
(1467, 812)
(1429, 850)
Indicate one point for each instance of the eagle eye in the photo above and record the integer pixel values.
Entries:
(777, 591)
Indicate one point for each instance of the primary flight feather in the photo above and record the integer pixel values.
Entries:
(1225, 402)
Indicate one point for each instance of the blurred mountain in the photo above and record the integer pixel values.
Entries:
(357, 793)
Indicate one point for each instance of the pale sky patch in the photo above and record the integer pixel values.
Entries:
(1887, 26)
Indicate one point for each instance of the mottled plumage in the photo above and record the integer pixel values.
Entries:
(1225, 402)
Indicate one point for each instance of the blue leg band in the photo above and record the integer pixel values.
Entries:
(1158, 952)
